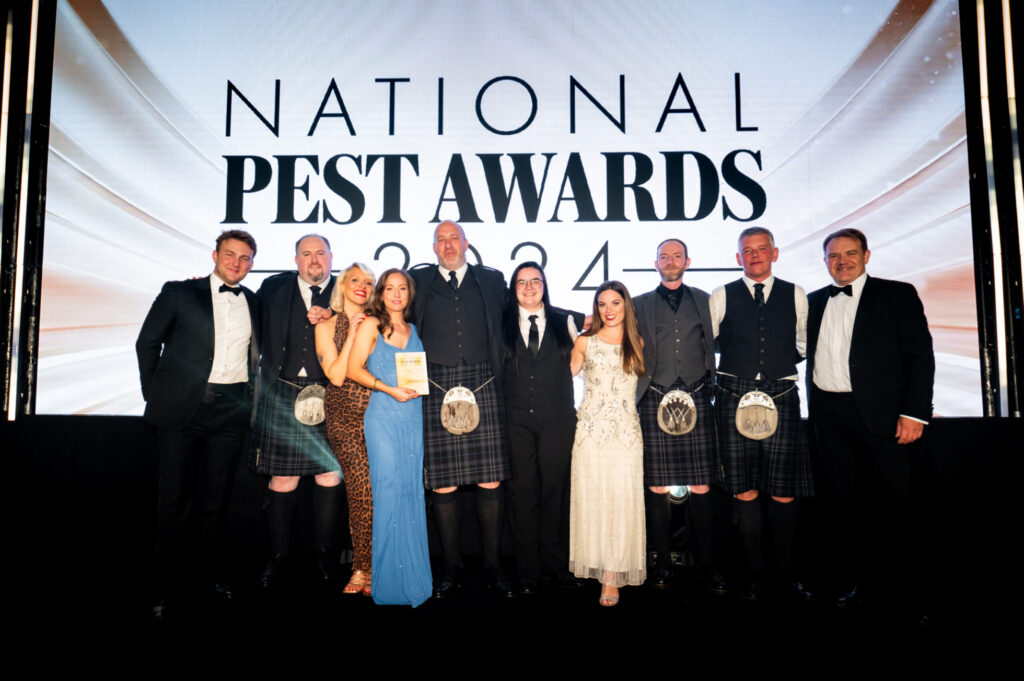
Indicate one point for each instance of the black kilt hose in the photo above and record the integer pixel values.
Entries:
(479, 456)
(689, 459)
(283, 445)
(779, 465)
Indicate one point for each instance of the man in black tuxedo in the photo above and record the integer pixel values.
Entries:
(197, 353)
(679, 354)
(870, 370)
(291, 305)
(458, 310)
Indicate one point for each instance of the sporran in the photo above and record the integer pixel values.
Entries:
(756, 416)
(459, 411)
(309, 405)
(677, 414)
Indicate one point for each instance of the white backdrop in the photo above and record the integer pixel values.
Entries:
(832, 113)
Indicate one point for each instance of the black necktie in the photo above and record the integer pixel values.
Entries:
(314, 299)
(230, 289)
(834, 291)
(759, 295)
(534, 341)
(453, 280)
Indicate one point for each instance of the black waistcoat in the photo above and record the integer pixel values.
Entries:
(300, 349)
(456, 324)
(541, 390)
(753, 340)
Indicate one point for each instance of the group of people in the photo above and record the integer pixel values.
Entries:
(587, 489)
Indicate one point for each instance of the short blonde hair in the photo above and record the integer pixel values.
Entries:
(337, 294)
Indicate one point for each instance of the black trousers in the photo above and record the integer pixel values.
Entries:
(868, 483)
(196, 462)
(541, 458)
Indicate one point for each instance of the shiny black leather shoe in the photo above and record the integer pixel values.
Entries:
(528, 587)
(662, 578)
(497, 584)
(716, 583)
(753, 591)
(273, 572)
(221, 593)
(849, 598)
(799, 591)
(448, 586)
(567, 580)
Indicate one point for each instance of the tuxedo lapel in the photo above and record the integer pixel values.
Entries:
(869, 298)
(204, 302)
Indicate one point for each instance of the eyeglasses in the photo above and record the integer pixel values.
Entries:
(529, 283)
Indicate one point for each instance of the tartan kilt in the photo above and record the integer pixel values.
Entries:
(690, 459)
(283, 446)
(779, 465)
(480, 456)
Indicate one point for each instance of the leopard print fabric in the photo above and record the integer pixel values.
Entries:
(345, 407)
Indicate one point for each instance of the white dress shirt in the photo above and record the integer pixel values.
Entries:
(832, 358)
(524, 325)
(460, 273)
(232, 330)
(717, 304)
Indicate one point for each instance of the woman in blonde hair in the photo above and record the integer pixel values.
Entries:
(607, 539)
(345, 404)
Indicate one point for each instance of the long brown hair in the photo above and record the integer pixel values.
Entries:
(632, 348)
(377, 308)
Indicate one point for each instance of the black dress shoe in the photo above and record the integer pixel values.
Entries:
(528, 587)
(716, 583)
(221, 593)
(662, 578)
(567, 580)
(497, 584)
(753, 591)
(273, 572)
(849, 598)
(160, 611)
(799, 591)
(448, 586)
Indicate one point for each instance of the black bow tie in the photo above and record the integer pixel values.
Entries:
(230, 289)
(834, 291)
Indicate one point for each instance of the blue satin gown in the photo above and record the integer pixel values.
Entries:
(394, 444)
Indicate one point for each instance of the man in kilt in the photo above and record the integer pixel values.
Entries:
(679, 354)
(291, 304)
(761, 326)
(458, 312)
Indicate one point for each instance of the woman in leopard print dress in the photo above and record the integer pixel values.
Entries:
(345, 404)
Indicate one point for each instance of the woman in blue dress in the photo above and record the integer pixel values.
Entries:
(394, 444)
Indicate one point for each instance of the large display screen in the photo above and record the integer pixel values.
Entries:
(578, 133)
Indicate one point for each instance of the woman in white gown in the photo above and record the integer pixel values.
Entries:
(607, 538)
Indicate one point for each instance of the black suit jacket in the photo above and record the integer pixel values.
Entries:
(175, 350)
(645, 313)
(495, 293)
(892, 365)
(276, 296)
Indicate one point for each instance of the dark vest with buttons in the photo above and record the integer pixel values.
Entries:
(679, 339)
(300, 347)
(541, 390)
(458, 323)
(753, 340)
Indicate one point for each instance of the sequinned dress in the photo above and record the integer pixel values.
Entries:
(394, 442)
(607, 537)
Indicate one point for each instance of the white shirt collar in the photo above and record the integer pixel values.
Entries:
(460, 273)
